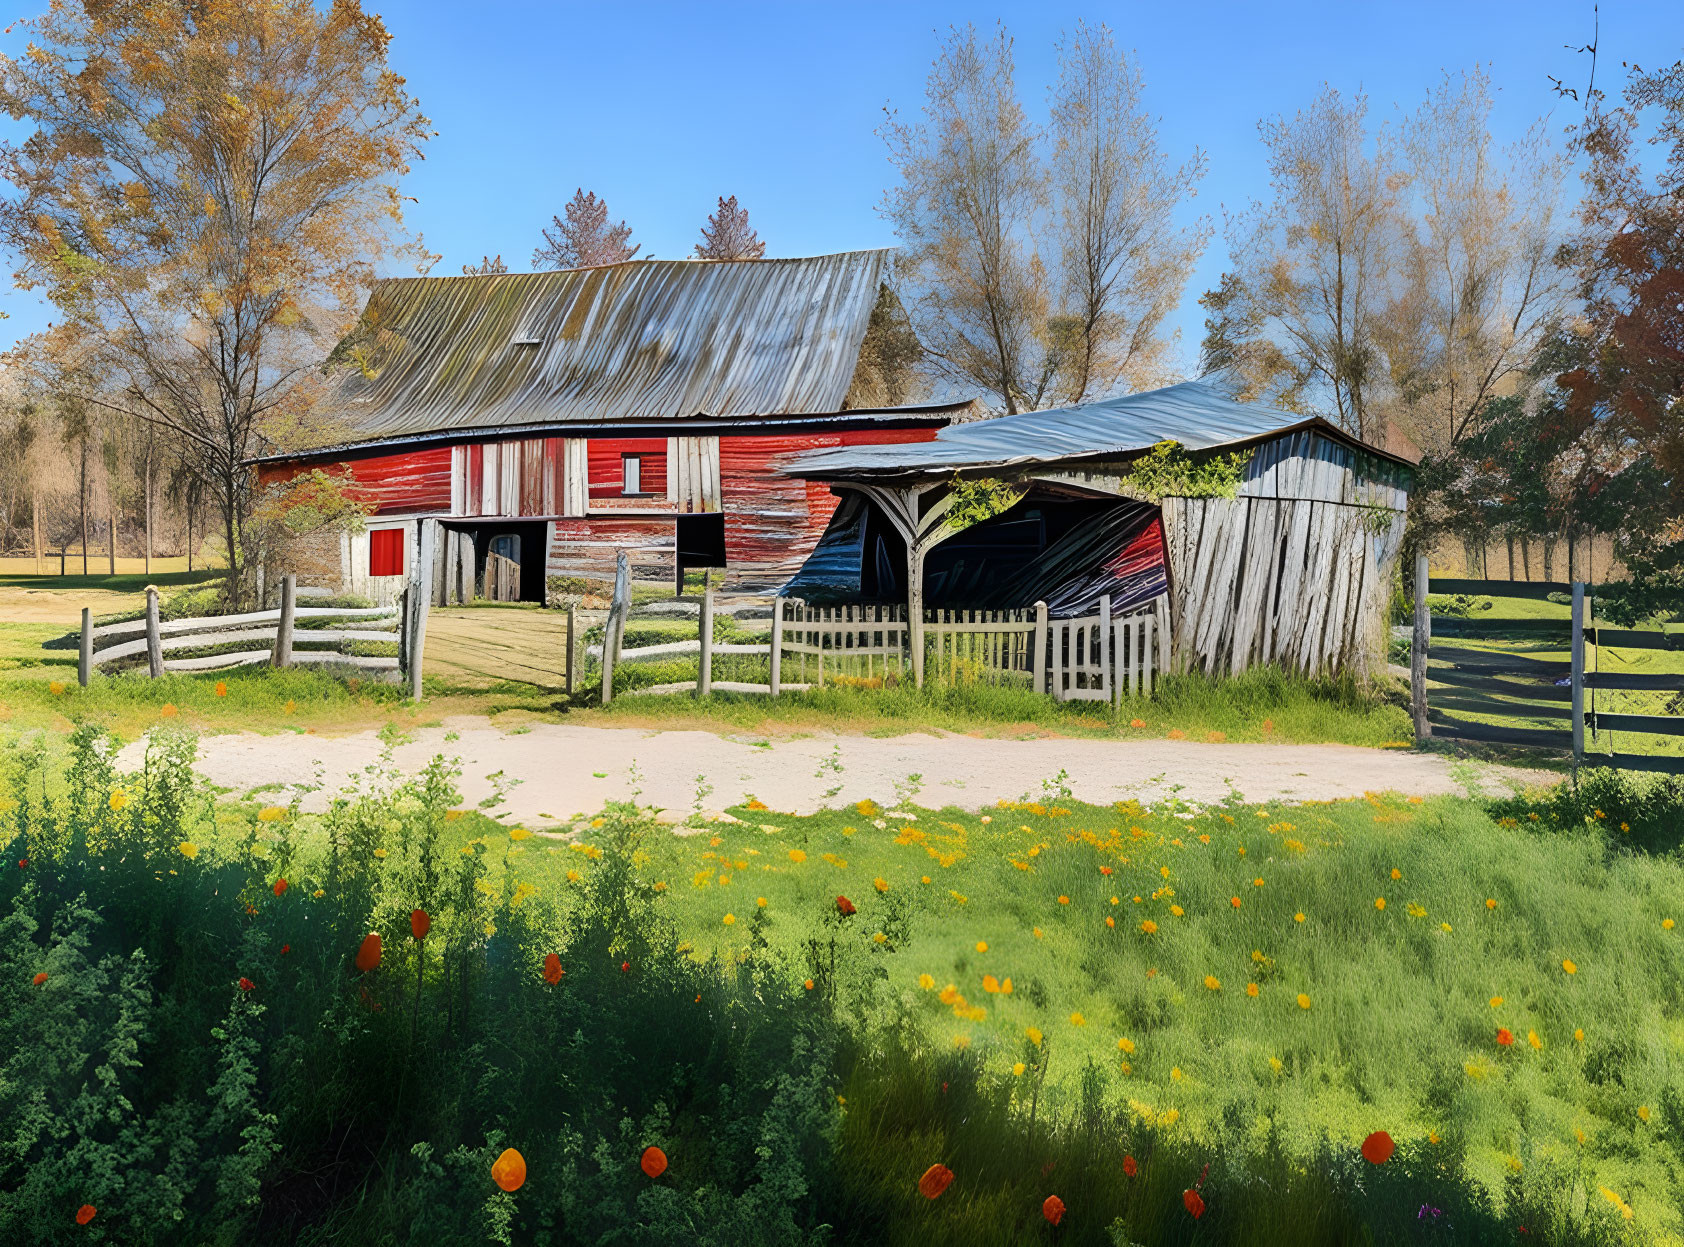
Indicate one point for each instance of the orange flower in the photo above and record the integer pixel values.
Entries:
(935, 1180)
(1194, 1203)
(280, 886)
(419, 923)
(168, 710)
(552, 969)
(1052, 1208)
(1110, 921)
(85, 1214)
(222, 688)
(1137, 722)
(40, 978)
(1234, 901)
(1378, 1147)
(1504, 1036)
(845, 907)
(653, 1162)
(1064, 900)
(509, 1170)
(368, 955)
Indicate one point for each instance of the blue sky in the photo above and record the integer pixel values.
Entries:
(661, 108)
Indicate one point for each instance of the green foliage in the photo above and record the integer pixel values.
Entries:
(1631, 811)
(977, 500)
(1168, 470)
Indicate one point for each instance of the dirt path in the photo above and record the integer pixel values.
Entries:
(565, 770)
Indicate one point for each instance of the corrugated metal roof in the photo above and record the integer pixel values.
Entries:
(1199, 416)
(640, 340)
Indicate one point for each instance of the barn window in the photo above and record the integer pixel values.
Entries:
(385, 552)
(631, 474)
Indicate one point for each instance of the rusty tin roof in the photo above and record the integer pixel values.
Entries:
(648, 339)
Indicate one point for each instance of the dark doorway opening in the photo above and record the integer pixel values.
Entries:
(508, 558)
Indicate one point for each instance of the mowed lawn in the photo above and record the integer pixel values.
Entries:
(1504, 990)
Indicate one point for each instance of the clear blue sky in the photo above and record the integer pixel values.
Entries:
(661, 108)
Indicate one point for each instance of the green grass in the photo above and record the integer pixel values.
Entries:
(1401, 1029)
(122, 582)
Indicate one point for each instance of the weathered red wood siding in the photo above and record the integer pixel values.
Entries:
(413, 482)
(607, 474)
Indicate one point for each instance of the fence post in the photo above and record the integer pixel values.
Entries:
(1166, 641)
(426, 542)
(618, 609)
(1038, 660)
(775, 678)
(1578, 673)
(1419, 643)
(154, 637)
(572, 647)
(283, 630)
(1105, 674)
(403, 631)
(704, 676)
(85, 660)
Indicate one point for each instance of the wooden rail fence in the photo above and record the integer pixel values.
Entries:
(1454, 652)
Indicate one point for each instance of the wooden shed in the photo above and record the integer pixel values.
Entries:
(1294, 569)
(524, 426)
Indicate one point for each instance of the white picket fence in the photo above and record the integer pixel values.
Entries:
(272, 630)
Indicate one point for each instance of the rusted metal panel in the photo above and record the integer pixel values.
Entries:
(605, 458)
(653, 339)
(405, 484)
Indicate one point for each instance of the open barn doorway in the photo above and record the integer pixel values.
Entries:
(495, 561)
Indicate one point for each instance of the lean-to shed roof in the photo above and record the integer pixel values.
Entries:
(648, 339)
(1199, 416)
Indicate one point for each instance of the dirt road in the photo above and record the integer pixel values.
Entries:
(565, 770)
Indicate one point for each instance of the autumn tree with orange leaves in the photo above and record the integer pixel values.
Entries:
(204, 198)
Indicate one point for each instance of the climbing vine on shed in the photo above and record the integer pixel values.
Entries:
(979, 500)
(1168, 471)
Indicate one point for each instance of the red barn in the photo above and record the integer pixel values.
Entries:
(552, 419)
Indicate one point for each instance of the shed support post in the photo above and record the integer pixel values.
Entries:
(1418, 653)
(572, 649)
(154, 636)
(915, 612)
(1038, 658)
(85, 658)
(775, 671)
(420, 599)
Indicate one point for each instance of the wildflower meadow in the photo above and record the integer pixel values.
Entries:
(374, 1016)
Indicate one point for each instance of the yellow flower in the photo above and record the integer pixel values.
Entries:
(1625, 1208)
(380, 852)
(1037, 932)
(1110, 921)
(1432, 1136)
(1569, 967)
(1445, 927)
(1251, 990)
(187, 849)
(317, 893)
(1177, 910)
(924, 879)
(1496, 1002)
(1213, 983)
(1175, 1073)
(879, 938)
(1303, 1001)
(1666, 924)
(882, 885)
(573, 876)
(1126, 1045)
(119, 799)
(1164, 871)
(1076, 1019)
(55, 687)
(1579, 1035)
(271, 814)
(1275, 1064)
(1018, 1068)
(290, 706)
(982, 946)
(1150, 927)
(927, 982)
(1379, 902)
(519, 833)
(730, 919)
(1396, 873)
(1257, 883)
(1643, 1112)
(1532, 1038)
(796, 855)
(1298, 917)
(1490, 902)
(659, 886)
(1034, 1036)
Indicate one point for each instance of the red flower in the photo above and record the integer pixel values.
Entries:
(40, 978)
(1052, 1208)
(23, 863)
(1195, 1203)
(1378, 1147)
(1129, 1166)
(625, 967)
(85, 1214)
(935, 1180)
(845, 907)
(246, 984)
(1104, 870)
(419, 923)
(368, 955)
(280, 885)
(654, 1162)
(1504, 1037)
(285, 949)
(553, 970)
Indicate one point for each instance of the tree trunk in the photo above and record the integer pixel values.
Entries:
(230, 529)
(1526, 557)
(189, 510)
(82, 502)
(1509, 537)
(111, 512)
(35, 504)
(146, 503)
(1549, 556)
